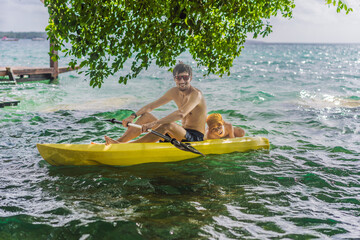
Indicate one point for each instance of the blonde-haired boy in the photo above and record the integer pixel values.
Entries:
(218, 128)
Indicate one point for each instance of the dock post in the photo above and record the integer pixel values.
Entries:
(11, 75)
(54, 65)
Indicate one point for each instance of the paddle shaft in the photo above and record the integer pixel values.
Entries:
(167, 138)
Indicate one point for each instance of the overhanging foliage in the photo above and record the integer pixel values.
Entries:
(104, 34)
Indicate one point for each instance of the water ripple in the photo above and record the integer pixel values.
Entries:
(306, 186)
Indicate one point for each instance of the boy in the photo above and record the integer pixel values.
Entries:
(218, 128)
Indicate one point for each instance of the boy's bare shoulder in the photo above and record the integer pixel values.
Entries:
(226, 124)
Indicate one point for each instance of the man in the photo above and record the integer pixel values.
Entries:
(191, 111)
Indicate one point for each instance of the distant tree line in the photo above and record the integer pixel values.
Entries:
(23, 35)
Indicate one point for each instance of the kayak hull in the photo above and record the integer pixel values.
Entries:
(127, 154)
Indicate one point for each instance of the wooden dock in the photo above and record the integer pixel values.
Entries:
(6, 102)
(14, 75)
(28, 74)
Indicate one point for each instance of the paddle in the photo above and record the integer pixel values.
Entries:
(182, 146)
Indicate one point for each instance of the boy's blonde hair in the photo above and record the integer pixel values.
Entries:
(214, 119)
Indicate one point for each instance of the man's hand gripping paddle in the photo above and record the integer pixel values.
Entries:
(173, 141)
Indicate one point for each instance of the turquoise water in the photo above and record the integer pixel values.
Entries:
(304, 97)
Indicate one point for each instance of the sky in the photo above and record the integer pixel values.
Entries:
(312, 21)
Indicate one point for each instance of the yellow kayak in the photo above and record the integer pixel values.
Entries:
(127, 154)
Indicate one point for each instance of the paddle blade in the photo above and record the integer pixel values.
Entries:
(112, 121)
(185, 147)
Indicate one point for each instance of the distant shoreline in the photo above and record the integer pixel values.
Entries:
(43, 35)
(300, 43)
(24, 35)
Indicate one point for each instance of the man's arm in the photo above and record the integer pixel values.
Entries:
(167, 97)
(183, 110)
(179, 114)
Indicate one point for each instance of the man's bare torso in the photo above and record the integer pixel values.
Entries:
(196, 119)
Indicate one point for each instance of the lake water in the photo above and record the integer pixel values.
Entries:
(305, 98)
